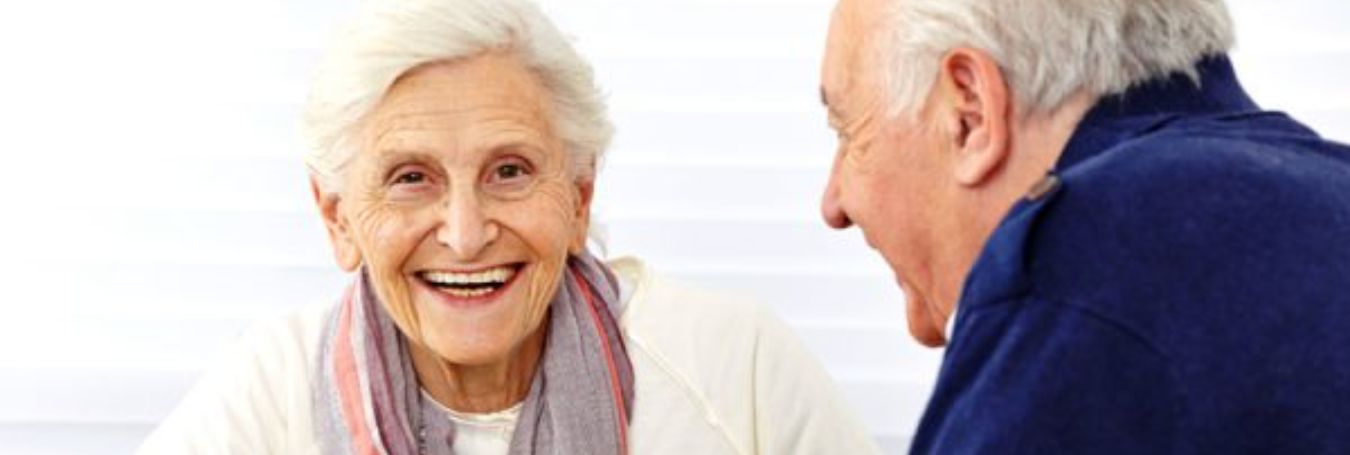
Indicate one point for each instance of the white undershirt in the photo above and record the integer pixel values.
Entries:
(480, 434)
(951, 324)
(490, 433)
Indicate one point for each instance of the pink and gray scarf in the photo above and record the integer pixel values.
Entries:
(367, 400)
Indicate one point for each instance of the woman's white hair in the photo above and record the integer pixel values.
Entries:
(391, 37)
(1049, 49)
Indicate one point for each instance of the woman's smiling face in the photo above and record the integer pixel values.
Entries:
(462, 206)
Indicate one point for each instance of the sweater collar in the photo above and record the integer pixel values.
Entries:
(1147, 106)
(1000, 271)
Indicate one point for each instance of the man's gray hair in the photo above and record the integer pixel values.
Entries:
(391, 37)
(1048, 49)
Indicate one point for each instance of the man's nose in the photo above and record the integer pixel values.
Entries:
(466, 229)
(830, 208)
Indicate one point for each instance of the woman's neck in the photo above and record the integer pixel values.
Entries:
(480, 388)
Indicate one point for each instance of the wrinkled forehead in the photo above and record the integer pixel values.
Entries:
(461, 108)
(851, 25)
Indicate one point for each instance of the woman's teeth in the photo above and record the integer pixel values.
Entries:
(468, 292)
(470, 284)
(494, 275)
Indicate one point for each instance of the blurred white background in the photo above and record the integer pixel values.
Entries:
(152, 200)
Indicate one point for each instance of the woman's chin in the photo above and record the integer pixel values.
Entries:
(470, 336)
(476, 331)
(470, 350)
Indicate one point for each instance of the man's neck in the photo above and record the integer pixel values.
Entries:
(1041, 143)
(1038, 142)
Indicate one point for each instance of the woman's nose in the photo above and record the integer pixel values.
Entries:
(466, 230)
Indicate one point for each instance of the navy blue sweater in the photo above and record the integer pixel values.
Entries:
(1184, 289)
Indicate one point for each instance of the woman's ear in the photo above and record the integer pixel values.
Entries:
(582, 217)
(339, 234)
(976, 110)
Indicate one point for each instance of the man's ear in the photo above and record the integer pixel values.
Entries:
(582, 217)
(975, 107)
(339, 234)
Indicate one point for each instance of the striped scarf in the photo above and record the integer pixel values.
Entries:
(367, 400)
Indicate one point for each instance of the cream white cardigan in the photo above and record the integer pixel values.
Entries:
(716, 374)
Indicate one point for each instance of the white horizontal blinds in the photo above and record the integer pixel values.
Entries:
(154, 201)
(154, 205)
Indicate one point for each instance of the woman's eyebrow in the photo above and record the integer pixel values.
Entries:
(515, 145)
(395, 156)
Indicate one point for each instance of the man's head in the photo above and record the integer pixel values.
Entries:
(948, 110)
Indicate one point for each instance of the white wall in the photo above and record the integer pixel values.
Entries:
(152, 200)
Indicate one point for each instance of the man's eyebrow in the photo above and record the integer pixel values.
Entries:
(831, 116)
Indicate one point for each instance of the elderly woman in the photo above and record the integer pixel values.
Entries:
(455, 147)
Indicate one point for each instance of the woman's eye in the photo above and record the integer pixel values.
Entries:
(509, 173)
(411, 183)
(410, 178)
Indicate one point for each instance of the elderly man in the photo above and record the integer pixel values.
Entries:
(1136, 258)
